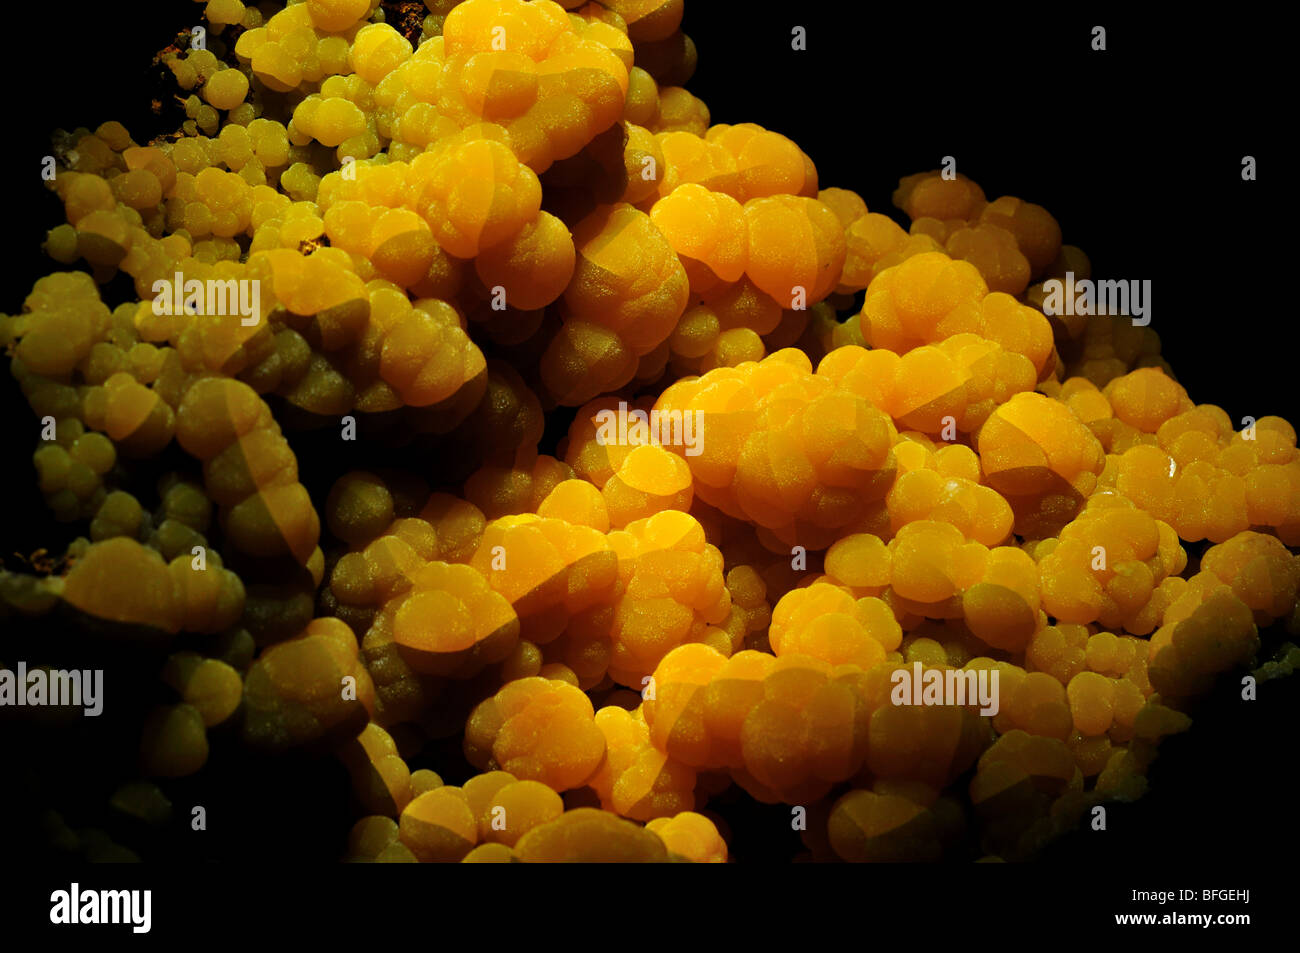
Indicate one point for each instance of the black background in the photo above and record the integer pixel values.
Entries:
(1136, 151)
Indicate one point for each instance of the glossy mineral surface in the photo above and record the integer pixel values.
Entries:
(517, 208)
